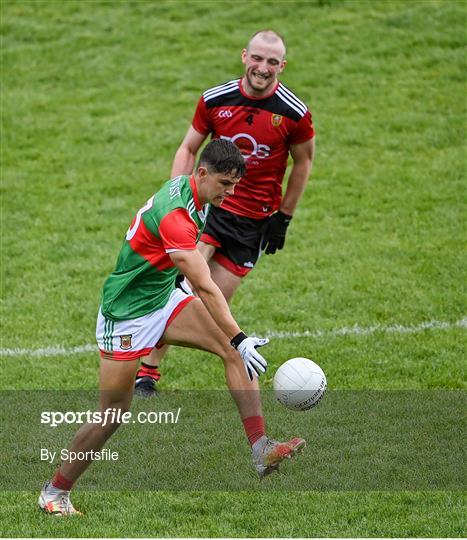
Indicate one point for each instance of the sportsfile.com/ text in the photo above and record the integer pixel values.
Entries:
(109, 416)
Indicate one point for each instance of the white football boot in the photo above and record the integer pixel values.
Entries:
(56, 501)
(268, 453)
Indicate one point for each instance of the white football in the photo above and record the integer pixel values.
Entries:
(299, 384)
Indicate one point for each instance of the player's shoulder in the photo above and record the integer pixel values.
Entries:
(223, 89)
(173, 194)
(290, 102)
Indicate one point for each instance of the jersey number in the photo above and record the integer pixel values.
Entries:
(132, 230)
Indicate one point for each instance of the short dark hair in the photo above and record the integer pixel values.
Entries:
(222, 156)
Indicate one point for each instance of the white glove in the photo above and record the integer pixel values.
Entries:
(254, 363)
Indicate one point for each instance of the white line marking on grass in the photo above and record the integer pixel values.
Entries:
(58, 350)
(355, 330)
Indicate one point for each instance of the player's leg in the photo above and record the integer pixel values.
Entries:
(227, 282)
(231, 246)
(227, 275)
(194, 327)
(148, 374)
(237, 249)
(116, 392)
(207, 250)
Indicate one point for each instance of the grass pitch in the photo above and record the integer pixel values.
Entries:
(97, 97)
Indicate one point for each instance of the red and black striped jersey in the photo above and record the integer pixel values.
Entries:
(264, 129)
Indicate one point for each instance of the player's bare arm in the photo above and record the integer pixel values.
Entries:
(185, 156)
(302, 155)
(276, 226)
(193, 265)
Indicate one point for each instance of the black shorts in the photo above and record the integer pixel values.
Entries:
(237, 240)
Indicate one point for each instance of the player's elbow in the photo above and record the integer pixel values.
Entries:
(201, 288)
(206, 289)
(303, 168)
(186, 149)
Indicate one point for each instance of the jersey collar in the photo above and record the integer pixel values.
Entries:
(194, 189)
(240, 85)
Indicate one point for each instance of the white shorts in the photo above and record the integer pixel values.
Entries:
(131, 339)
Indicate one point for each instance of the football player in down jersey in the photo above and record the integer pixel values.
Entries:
(268, 122)
(141, 309)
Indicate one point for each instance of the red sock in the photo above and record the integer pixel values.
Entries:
(254, 427)
(60, 482)
(148, 371)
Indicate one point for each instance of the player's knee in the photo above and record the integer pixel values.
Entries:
(230, 355)
(113, 416)
(114, 405)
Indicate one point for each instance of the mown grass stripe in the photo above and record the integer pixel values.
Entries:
(356, 330)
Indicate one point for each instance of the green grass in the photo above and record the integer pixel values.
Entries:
(243, 514)
(96, 98)
(358, 441)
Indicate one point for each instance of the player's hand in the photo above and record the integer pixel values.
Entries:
(274, 232)
(254, 363)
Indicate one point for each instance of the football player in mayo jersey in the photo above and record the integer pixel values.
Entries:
(142, 309)
(268, 122)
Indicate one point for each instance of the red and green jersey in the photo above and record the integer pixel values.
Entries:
(144, 277)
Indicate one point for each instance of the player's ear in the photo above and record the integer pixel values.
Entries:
(283, 64)
(244, 55)
(202, 172)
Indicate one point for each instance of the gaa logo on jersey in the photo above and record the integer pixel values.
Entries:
(276, 120)
(125, 342)
(225, 114)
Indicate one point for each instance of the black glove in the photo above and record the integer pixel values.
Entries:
(274, 232)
